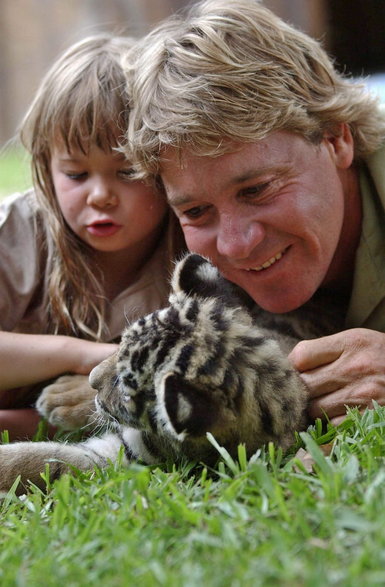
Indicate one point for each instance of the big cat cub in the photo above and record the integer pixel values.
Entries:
(209, 362)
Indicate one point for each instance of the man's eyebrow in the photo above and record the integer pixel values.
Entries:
(179, 200)
(256, 173)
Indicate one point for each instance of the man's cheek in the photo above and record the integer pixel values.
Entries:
(196, 241)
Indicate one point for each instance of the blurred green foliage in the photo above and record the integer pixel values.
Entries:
(14, 171)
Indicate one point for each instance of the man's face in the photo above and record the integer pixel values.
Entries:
(270, 214)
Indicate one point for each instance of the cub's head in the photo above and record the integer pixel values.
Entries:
(173, 373)
(201, 365)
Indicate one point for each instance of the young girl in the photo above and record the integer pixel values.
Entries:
(89, 248)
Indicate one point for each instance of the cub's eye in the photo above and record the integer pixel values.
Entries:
(128, 381)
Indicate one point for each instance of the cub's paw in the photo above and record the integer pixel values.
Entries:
(68, 403)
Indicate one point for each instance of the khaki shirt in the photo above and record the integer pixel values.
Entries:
(367, 304)
(24, 266)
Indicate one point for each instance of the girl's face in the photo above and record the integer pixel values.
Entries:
(101, 203)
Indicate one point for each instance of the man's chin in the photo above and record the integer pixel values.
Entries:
(279, 304)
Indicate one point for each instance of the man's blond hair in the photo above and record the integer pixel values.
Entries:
(235, 72)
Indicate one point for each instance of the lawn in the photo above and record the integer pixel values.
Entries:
(14, 171)
(309, 518)
(269, 520)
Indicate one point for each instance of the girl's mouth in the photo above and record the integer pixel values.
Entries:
(103, 229)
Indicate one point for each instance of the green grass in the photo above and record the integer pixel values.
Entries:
(14, 171)
(260, 521)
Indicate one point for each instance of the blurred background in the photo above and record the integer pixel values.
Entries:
(34, 32)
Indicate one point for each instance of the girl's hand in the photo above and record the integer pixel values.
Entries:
(344, 369)
(26, 359)
(86, 354)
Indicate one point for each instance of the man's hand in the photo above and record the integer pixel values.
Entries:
(344, 369)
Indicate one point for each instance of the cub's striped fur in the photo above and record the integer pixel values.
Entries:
(209, 362)
(200, 365)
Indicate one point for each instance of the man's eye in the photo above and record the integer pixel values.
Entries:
(195, 212)
(254, 190)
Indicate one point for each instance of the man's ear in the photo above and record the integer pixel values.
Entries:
(341, 146)
(189, 410)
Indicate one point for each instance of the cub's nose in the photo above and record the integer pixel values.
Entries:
(103, 376)
(94, 377)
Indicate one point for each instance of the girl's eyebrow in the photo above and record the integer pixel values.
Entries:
(68, 159)
(64, 155)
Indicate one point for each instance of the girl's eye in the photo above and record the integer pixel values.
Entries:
(126, 173)
(77, 176)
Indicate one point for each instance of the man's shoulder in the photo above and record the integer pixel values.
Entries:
(376, 166)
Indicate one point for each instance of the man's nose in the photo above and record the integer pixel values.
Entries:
(237, 237)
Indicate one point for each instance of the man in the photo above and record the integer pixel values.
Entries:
(273, 164)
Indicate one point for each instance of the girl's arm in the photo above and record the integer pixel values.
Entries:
(26, 359)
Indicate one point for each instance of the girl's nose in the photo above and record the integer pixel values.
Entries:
(101, 195)
(238, 237)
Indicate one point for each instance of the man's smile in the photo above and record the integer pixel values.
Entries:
(269, 262)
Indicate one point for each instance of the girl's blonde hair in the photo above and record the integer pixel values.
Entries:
(235, 72)
(82, 101)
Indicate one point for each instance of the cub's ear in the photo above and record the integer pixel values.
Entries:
(188, 410)
(195, 275)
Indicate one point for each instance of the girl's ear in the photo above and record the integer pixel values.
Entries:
(341, 146)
